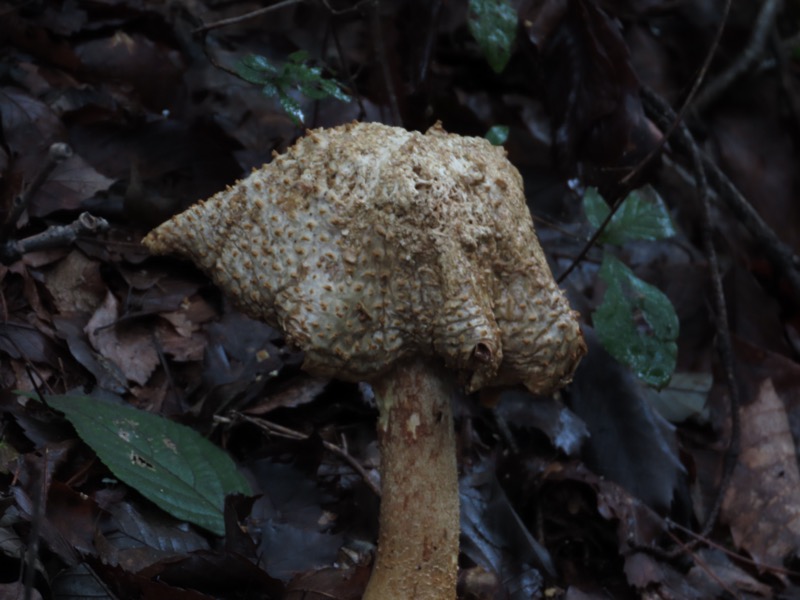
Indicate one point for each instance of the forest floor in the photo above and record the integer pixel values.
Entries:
(130, 111)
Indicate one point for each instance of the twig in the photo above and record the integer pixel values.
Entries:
(52, 237)
(784, 258)
(662, 114)
(750, 54)
(689, 550)
(734, 555)
(56, 154)
(286, 432)
(724, 343)
(246, 16)
(627, 182)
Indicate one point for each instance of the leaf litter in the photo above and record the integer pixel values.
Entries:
(559, 498)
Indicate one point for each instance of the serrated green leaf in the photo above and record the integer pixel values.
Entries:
(642, 216)
(270, 89)
(250, 75)
(313, 90)
(637, 324)
(168, 463)
(293, 75)
(493, 24)
(332, 88)
(256, 69)
(595, 207)
(292, 108)
(497, 135)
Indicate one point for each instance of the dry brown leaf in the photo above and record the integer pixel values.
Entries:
(181, 344)
(761, 501)
(75, 283)
(68, 186)
(132, 350)
(302, 390)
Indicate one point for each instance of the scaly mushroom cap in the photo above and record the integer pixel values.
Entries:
(366, 243)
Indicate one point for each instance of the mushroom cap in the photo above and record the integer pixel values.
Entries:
(367, 244)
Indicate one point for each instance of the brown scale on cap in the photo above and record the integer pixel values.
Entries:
(366, 244)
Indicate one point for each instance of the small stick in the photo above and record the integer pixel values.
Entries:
(246, 16)
(750, 54)
(781, 254)
(292, 434)
(724, 343)
(52, 237)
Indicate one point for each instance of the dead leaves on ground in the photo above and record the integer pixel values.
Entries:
(559, 499)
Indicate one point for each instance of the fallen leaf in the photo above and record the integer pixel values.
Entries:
(75, 283)
(130, 349)
(760, 503)
(67, 187)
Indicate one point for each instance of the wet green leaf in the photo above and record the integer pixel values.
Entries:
(292, 108)
(493, 24)
(642, 216)
(294, 76)
(637, 324)
(168, 463)
(497, 135)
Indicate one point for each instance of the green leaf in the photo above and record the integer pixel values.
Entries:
(270, 89)
(292, 108)
(295, 74)
(637, 324)
(313, 90)
(168, 463)
(497, 135)
(493, 24)
(299, 56)
(256, 69)
(642, 216)
(332, 88)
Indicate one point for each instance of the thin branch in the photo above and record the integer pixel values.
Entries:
(724, 343)
(627, 182)
(55, 236)
(751, 53)
(286, 432)
(782, 256)
(734, 555)
(662, 114)
(696, 559)
(246, 16)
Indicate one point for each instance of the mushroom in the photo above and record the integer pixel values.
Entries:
(409, 261)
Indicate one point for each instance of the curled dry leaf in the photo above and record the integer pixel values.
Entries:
(366, 244)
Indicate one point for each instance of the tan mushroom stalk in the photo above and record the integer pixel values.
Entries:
(409, 261)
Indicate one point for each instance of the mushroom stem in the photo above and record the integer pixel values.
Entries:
(419, 519)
